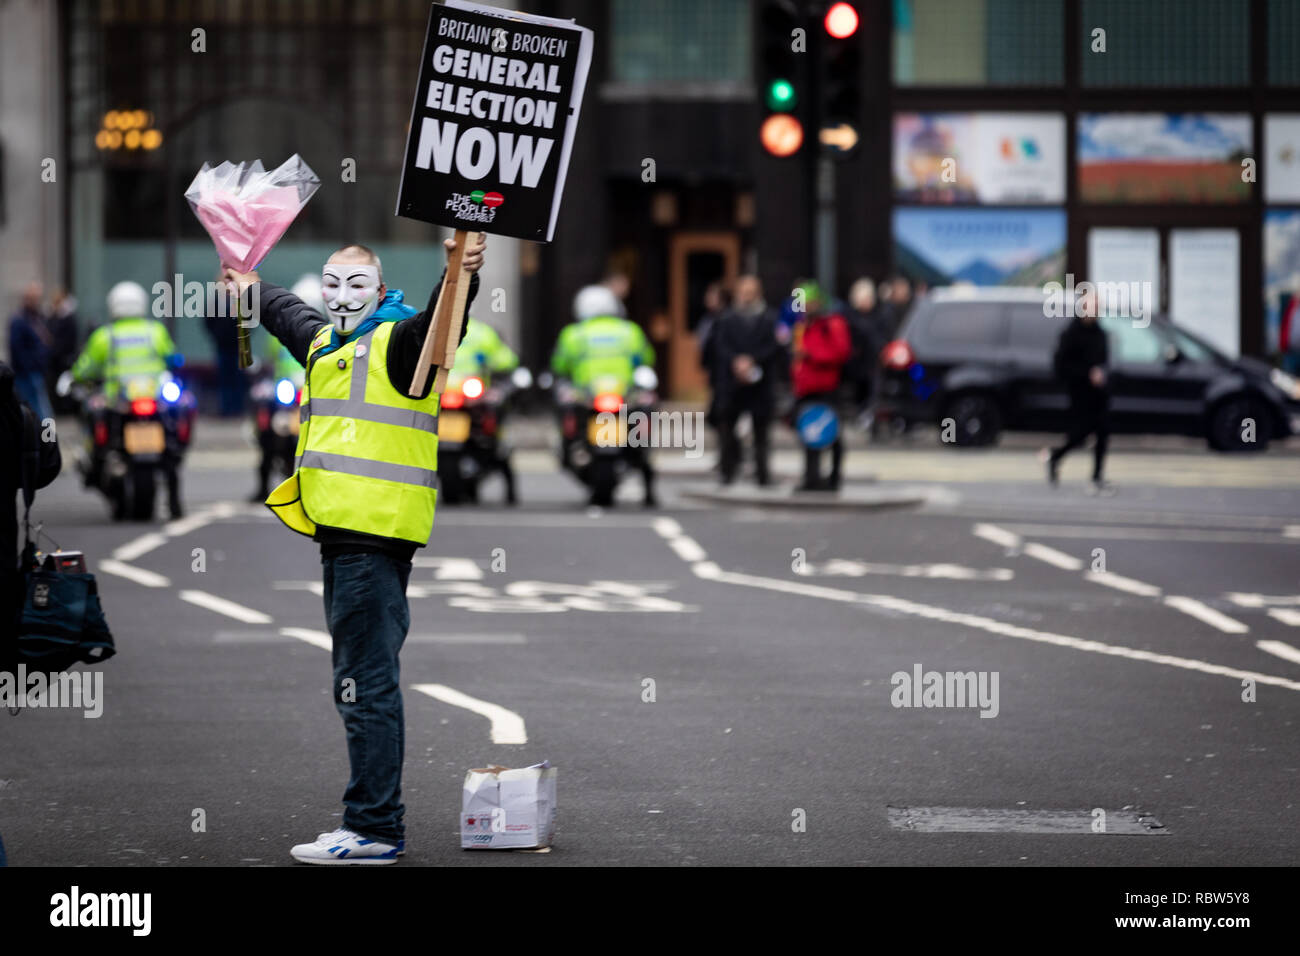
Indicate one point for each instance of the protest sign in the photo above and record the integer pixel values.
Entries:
(492, 126)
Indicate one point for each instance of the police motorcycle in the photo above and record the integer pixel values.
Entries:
(276, 419)
(132, 438)
(472, 439)
(604, 432)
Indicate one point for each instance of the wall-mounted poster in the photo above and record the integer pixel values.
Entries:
(1282, 283)
(1282, 157)
(985, 247)
(988, 158)
(1125, 263)
(1204, 290)
(1163, 157)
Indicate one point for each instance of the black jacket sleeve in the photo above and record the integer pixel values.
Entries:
(289, 319)
(408, 339)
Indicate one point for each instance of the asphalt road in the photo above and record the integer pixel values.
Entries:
(771, 638)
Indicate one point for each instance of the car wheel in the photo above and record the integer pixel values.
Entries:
(976, 420)
(1229, 427)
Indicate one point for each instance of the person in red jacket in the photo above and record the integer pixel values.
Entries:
(821, 346)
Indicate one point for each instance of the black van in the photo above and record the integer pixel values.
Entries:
(983, 357)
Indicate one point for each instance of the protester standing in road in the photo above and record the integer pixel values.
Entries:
(364, 488)
(1080, 362)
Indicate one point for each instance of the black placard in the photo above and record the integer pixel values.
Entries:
(489, 123)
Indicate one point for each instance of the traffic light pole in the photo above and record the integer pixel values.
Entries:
(819, 168)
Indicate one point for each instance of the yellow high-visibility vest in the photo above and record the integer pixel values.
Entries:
(367, 456)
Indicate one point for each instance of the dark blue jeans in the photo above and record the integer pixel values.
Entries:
(367, 615)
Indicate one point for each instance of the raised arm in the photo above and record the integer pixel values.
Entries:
(408, 337)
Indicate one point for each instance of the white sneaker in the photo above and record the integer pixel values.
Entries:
(401, 844)
(343, 847)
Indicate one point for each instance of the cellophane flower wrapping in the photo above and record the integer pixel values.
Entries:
(246, 209)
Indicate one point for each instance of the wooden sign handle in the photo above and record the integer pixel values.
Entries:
(448, 315)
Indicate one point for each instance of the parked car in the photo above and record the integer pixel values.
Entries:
(983, 357)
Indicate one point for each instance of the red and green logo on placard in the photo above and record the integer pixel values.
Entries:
(487, 199)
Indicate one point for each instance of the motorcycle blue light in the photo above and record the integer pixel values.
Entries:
(171, 392)
(285, 391)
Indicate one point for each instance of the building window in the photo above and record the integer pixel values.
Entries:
(1165, 43)
(681, 41)
(1284, 43)
(978, 43)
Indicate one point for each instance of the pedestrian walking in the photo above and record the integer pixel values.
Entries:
(1080, 362)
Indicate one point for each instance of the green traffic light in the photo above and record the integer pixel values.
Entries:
(780, 95)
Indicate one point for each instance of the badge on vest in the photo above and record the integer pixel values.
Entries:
(361, 350)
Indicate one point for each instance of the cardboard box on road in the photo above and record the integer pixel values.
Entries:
(508, 809)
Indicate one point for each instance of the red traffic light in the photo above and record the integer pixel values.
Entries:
(841, 20)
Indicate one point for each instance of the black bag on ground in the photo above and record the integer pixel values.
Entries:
(62, 622)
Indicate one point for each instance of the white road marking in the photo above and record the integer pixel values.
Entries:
(140, 576)
(138, 546)
(507, 726)
(484, 519)
(687, 548)
(1262, 600)
(315, 587)
(1121, 533)
(1285, 615)
(315, 638)
(710, 571)
(1280, 649)
(221, 606)
(466, 638)
(846, 568)
(667, 527)
(1203, 612)
(1121, 583)
(999, 536)
(451, 569)
(1053, 557)
(1291, 531)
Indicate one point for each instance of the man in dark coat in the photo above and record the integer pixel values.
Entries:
(1080, 362)
(744, 353)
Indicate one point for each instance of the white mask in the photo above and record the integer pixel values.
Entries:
(351, 293)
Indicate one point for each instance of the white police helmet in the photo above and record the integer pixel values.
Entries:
(307, 288)
(127, 300)
(594, 300)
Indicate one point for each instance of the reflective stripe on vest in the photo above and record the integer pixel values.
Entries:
(367, 454)
(368, 412)
(369, 468)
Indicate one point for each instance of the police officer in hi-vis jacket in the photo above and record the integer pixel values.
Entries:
(364, 488)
